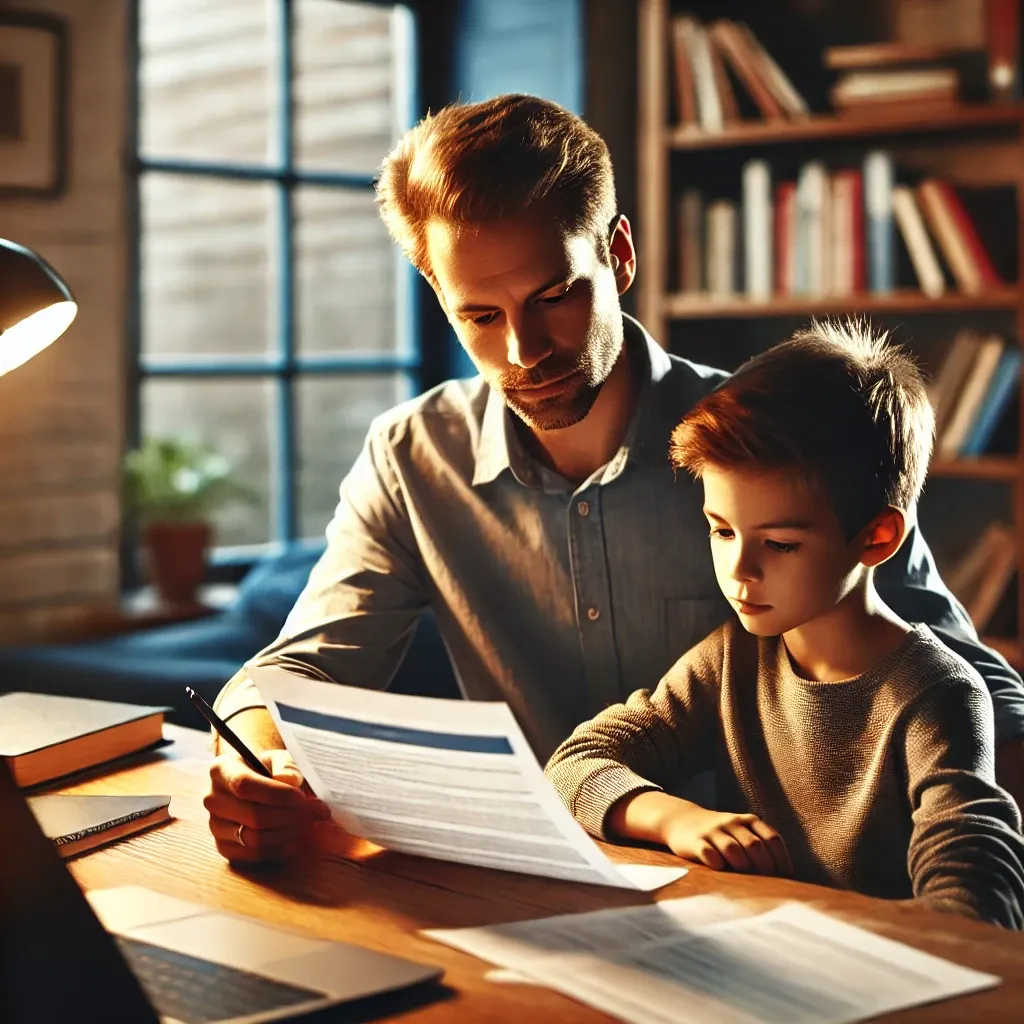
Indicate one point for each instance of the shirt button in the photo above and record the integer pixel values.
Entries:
(593, 614)
(583, 508)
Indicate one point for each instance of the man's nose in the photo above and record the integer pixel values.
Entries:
(526, 348)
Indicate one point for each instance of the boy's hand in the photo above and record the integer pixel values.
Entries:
(742, 842)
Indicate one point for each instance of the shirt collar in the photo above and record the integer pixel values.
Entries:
(646, 440)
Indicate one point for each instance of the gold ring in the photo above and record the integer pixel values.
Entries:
(238, 836)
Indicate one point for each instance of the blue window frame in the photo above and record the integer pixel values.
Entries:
(285, 364)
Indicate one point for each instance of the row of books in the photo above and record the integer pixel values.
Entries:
(981, 578)
(709, 62)
(970, 393)
(829, 234)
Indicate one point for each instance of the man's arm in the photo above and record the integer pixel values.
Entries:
(966, 852)
(355, 617)
(910, 584)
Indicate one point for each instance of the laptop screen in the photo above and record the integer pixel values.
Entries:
(56, 961)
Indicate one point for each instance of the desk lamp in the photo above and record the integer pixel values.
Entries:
(36, 306)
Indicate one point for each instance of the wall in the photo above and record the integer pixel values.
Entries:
(61, 414)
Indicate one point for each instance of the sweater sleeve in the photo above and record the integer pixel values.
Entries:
(653, 741)
(966, 851)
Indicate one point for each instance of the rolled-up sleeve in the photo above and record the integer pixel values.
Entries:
(354, 619)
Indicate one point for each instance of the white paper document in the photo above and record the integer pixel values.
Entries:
(704, 960)
(450, 779)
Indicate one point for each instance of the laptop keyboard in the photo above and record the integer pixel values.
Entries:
(198, 992)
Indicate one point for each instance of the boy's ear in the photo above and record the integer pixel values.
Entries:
(883, 536)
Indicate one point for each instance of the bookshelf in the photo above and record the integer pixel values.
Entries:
(973, 145)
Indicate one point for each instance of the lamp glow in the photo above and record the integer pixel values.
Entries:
(36, 306)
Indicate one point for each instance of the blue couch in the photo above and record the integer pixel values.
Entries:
(154, 666)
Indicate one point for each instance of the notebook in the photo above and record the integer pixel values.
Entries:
(78, 824)
(43, 737)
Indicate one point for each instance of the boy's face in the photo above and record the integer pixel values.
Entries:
(536, 308)
(780, 554)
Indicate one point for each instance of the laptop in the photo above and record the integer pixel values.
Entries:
(131, 954)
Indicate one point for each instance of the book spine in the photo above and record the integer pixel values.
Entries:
(810, 199)
(721, 248)
(757, 228)
(692, 241)
(857, 230)
(842, 234)
(1002, 41)
(732, 45)
(926, 264)
(878, 183)
(75, 837)
(954, 247)
(686, 101)
(977, 383)
(709, 105)
(994, 404)
(785, 237)
(969, 235)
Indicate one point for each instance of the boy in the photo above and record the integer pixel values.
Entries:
(859, 749)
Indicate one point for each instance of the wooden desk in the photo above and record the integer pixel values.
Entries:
(358, 893)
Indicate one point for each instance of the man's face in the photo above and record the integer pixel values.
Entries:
(780, 554)
(535, 307)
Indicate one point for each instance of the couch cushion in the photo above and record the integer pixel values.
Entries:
(272, 587)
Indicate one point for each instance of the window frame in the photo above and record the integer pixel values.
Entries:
(285, 365)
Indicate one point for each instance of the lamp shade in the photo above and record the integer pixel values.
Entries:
(36, 306)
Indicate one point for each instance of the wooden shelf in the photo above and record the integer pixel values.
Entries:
(826, 126)
(708, 307)
(987, 467)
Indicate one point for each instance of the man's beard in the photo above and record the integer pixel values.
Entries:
(569, 406)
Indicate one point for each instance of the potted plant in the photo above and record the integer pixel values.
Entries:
(172, 487)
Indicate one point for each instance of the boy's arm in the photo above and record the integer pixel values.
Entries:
(966, 851)
(910, 584)
(651, 742)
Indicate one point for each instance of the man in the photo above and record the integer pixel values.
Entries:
(533, 508)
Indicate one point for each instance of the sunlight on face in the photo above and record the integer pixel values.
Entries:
(780, 554)
(536, 309)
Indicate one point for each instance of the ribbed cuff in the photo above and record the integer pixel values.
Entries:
(599, 792)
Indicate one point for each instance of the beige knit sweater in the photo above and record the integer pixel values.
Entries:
(884, 783)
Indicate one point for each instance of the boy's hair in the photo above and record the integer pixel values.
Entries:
(480, 162)
(836, 402)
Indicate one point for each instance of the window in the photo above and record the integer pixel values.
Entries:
(272, 312)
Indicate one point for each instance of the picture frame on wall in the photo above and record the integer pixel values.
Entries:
(33, 104)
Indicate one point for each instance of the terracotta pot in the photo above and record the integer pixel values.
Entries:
(176, 558)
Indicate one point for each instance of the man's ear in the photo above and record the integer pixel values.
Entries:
(883, 536)
(622, 253)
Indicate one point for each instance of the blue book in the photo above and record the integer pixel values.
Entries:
(1000, 391)
(878, 221)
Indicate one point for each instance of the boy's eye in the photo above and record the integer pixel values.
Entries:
(778, 545)
(485, 318)
(722, 532)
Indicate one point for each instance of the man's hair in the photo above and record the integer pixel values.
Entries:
(835, 402)
(480, 162)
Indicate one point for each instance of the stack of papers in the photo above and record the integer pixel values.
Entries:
(705, 959)
(450, 779)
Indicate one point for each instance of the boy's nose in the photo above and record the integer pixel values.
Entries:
(745, 567)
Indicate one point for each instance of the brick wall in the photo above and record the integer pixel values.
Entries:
(61, 414)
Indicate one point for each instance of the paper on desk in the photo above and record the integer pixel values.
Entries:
(691, 961)
(450, 779)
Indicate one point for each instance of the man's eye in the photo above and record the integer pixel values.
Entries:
(485, 318)
(778, 545)
(552, 300)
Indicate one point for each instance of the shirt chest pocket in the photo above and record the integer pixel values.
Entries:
(685, 621)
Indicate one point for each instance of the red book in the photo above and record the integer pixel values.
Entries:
(967, 231)
(785, 237)
(1002, 40)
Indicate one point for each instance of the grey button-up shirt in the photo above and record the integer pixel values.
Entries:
(555, 599)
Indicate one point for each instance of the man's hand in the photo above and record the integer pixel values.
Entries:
(254, 819)
(742, 842)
